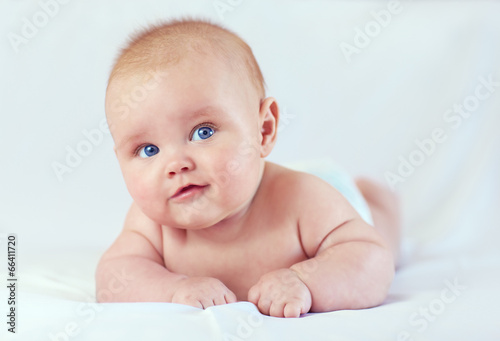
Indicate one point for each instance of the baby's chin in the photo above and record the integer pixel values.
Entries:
(189, 219)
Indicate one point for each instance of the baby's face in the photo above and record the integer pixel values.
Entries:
(189, 149)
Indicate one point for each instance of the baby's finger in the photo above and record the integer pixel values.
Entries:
(182, 299)
(230, 297)
(219, 300)
(254, 295)
(192, 302)
(207, 302)
(264, 305)
(276, 309)
(292, 310)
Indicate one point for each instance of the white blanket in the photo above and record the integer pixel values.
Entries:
(403, 92)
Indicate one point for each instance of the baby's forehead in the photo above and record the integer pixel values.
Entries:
(165, 45)
(158, 67)
(194, 77)
(189, 72)
(174, 92)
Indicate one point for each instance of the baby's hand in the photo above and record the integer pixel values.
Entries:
(202, 292)
(281, 293)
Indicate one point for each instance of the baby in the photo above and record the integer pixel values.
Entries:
(211, 221)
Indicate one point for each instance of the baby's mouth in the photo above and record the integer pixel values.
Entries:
(187, 192)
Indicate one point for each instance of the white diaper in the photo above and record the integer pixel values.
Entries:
(327, 170)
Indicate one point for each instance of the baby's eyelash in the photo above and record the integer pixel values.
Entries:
(205, 124)
(138, 149)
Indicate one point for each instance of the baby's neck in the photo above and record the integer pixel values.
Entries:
(225, 231)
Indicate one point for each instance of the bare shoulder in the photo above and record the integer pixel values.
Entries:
(306, 190)
(140, 237)
(319, 207)
(136, 221)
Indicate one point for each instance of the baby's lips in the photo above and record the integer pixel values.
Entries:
(183, 189)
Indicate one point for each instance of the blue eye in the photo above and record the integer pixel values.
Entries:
(202, 133)
(148, 151)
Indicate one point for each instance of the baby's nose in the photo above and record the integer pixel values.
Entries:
(178, 166)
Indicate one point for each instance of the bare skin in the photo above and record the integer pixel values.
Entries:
(213, 223)
(170, 265)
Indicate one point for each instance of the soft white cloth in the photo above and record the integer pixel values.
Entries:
(414, 76)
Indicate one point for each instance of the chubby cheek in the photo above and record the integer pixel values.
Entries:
(143, 190)
(137, 187)
(236, 175)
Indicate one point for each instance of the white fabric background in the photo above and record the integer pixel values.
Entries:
(365, 114)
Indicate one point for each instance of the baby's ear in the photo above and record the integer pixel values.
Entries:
(268, 119)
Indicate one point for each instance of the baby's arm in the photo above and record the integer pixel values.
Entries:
(350, 265)
(133, 270)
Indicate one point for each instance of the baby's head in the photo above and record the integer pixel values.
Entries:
(187, 110)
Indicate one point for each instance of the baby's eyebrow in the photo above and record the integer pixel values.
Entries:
(206, 111)
(127, 139)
